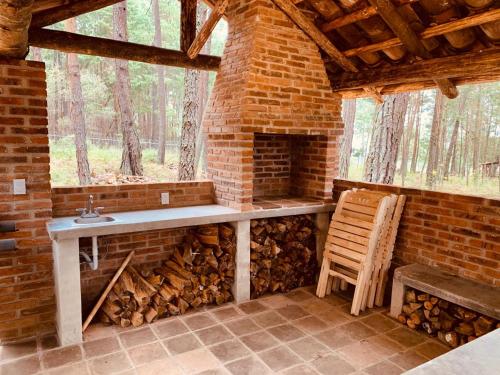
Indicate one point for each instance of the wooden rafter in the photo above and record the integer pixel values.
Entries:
(63, 12)
(481, 64)
(209, 25)
(373, 93)
(315, 34)
(89, 45)
(188, 23)
(15, 16)
(460, 24)
(410, 39)
(41, 5)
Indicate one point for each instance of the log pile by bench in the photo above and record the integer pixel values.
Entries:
(200, 272)
(283, 254)
(452, 324)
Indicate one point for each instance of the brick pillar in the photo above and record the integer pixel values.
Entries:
(26, 285)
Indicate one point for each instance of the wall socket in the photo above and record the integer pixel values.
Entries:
(165, 198)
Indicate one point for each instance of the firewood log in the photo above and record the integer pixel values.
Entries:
(137, 319)
(150, 314)
(483, 325)
(423, 297)
(450, 338)
(410, 296)
(402, 318)
(465, 328)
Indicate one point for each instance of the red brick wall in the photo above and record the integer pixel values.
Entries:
(26, 294)
(271, 80)
(133, 197)
(457, 233)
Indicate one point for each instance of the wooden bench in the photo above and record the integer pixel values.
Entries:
(466, 293)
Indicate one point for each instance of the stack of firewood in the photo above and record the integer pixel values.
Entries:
(200, 272)
(283, 254)
(452, 324)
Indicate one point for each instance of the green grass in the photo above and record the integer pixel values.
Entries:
(103, 160)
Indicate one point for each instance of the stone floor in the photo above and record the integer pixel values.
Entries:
(288, 334)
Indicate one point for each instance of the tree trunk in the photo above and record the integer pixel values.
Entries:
(432, 162)
(380, 165)
(454, 137)
(476, 136)
(407, 134)
(160, 71)
(131, 155)
(348, 115)
(416, 138)
(77, 112)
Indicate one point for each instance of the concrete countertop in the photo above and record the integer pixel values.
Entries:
(478, 357)
(137, 221)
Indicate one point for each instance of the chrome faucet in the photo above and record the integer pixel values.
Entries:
(90, 211)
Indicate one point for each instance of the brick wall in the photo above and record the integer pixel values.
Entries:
(133, 197)
(271, 80)
(26, 294)
(457, 233)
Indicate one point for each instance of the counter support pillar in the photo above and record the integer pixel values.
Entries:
(67, 290)
(322, 224)
(241, 286)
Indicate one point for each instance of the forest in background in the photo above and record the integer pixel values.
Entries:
(109, 119)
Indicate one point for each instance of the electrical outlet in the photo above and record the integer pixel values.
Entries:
(165, 198)
(19, 186)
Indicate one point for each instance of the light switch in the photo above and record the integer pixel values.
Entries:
(19, 186)
(165, 198)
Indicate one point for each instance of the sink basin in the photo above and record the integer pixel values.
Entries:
(94, 220)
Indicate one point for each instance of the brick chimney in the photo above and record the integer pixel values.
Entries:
(272, 122)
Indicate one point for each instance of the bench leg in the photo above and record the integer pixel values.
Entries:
(397, 298)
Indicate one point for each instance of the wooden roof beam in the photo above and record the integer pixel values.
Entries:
(315, 34)
(479, 64)
(114, 49)
(15, 16)
(410, 39)
(63, 12)
(207, 28)
(374, 93)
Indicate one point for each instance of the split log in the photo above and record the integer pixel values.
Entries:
(15, 17)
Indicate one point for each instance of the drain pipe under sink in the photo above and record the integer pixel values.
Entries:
(94, 262)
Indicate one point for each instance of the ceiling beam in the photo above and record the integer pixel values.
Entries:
(460, 24)
(374, 93)
(410, 39)
(207, 28)
(315, 34)
(114, 49)
(15, 17)
(481, 64)
(63, 12)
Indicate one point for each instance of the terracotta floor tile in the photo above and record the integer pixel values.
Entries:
(406, 337)
(385, 346)
(214, 335)
(332, 364)
(160, 367)
(286, 332)
(98, 331)
(333, 317)
(252, 307)
(346, 309)
(169, 328)
(259, 341)
(276, 301)
(12, 351)
(334, 339)
(279, 358)
(147, 353)
(357, 330)
(216, 371)
(408, 359)
(226, 313)
(315, 305)
(310, 324)
(49, 342)
(384, 368)
(197, 361)
(300, 370)
(199, 321)
(101, 347)
(79, 368)
(137, 337)
(61, 356)
(181, 344)
(308, 348)
(292, 312)
(336, 300)
(268, 319)
(379, 322)
(299, 295)
(431, 349)
(361, 354)
(242, 326)
(110, 364)
(229, 350)
(24, 366)
(247, 366)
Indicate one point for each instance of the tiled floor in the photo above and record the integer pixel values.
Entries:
(287, 334)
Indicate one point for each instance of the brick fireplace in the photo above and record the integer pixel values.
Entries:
(272, 122)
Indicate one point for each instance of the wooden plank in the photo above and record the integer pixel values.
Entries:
(63, 12)
(351, 229)
(315, 34)
(339, 259)
(345, 277)
(207, 28)
(347, 244)
(347, 19)
(15, 16)
(350, 237)
(347, 253)
(360, 208)
(188, 23)
(107, 290)
(87, 45)
(353, 221)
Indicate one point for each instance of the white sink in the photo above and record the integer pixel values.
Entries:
(93, 220)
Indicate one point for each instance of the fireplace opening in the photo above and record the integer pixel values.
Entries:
(288, 169)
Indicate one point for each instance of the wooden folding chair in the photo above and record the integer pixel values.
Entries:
(351, 243)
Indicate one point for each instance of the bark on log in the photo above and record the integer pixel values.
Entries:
(15, 17)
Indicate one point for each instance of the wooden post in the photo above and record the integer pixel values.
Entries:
(15, 17)
(188, 24)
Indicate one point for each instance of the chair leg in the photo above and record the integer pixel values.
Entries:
(323, 278)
